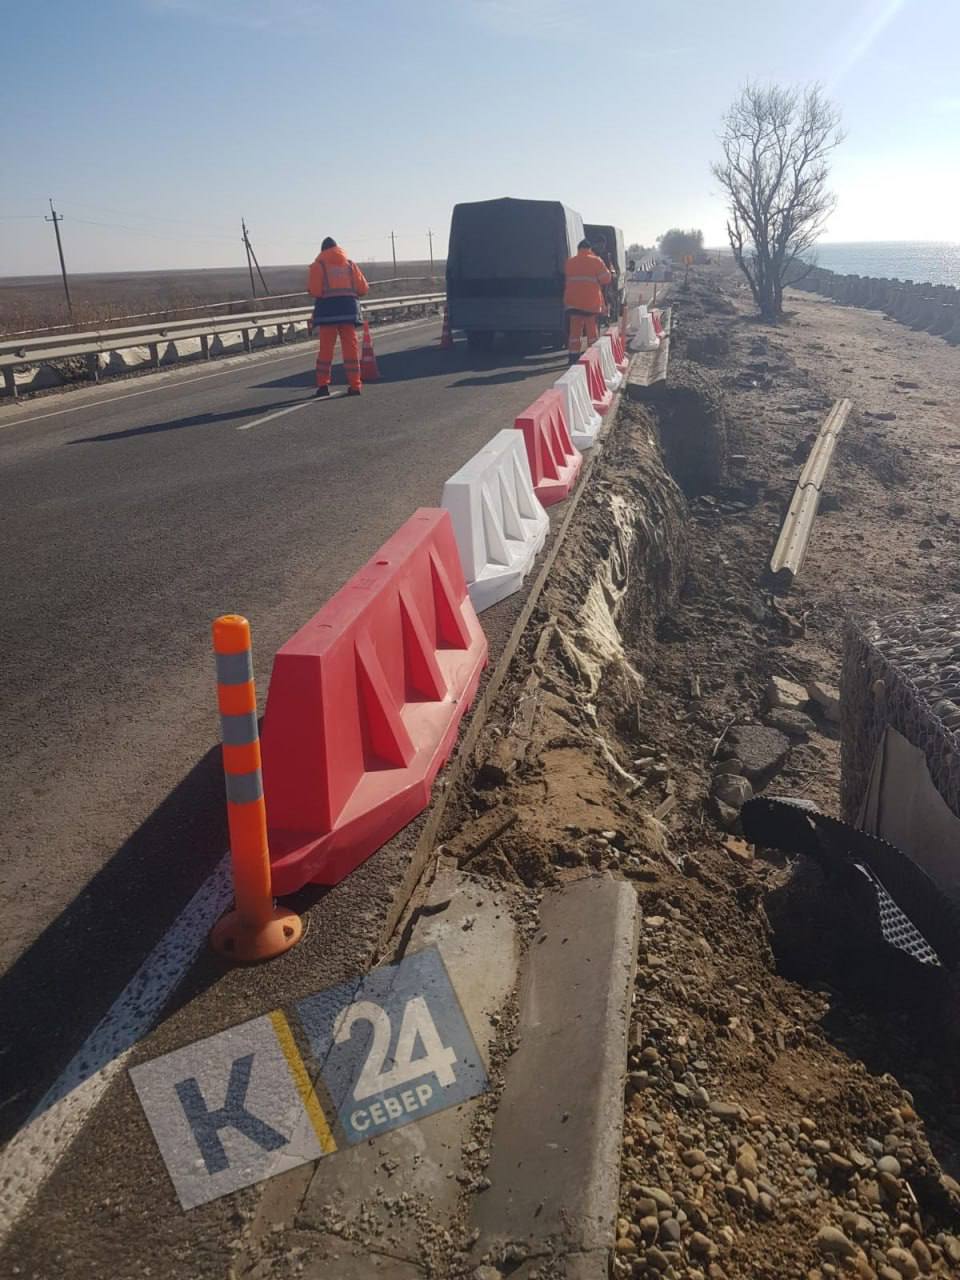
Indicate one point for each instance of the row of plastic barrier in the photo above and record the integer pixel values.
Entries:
(365, 701)
(644, 329)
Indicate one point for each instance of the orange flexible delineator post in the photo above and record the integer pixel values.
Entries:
(369, 371)
(256, 929)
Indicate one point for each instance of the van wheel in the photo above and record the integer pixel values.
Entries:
(480, 339)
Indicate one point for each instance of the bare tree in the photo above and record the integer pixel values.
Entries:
(776, 145)
(676, 242)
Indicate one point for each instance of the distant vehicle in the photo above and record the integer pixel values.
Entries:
(608, 244)
(505, 268)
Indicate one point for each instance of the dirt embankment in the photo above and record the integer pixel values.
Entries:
(773, 1128)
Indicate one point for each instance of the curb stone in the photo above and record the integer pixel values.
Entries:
(555, 1159)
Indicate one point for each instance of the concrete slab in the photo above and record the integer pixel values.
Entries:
(332, 1257)
(221, 342)
(38, 377)
(556, 1138)
(126, 358)
(187, 348)
(400, 1192)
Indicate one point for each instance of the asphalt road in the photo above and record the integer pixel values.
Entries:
(130, 516)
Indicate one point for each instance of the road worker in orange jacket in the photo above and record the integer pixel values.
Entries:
(337, 284)
(585, 275)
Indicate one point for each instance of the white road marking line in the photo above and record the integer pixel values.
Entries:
(92, 402)
(279, 414)
(129, 395)
(34, 1152)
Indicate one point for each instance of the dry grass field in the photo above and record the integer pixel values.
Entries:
(36, 302)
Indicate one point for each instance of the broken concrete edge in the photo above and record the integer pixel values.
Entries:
(525, 1173)
(406, 897)
(420, 883)
(353, 1206)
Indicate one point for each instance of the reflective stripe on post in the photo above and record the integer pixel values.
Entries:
(255, 929)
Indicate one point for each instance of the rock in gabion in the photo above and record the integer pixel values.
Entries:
(902, 671)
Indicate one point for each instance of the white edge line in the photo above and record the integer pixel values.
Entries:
(236, 362)
(279, 414)
(34, 1152)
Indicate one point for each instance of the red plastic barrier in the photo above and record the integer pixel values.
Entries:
(619, 349)
(600, 393)
(554, 459)
(657, 326)
(364, 705)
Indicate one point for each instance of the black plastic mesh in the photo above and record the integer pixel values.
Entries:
(896, 928)
(908, 909)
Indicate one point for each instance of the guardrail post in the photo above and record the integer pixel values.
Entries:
(280, 337)
(10, 382)
(247, 346)
(154, 349)
(205, 345)
(93, 366)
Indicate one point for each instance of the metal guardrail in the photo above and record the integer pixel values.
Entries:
(18, 353)
(201, 310)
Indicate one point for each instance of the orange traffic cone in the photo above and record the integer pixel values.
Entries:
(446, 338)
(368, 361)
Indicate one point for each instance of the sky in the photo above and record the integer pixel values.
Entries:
(156, 124)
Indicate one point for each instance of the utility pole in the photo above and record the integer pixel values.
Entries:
(430, 238)
(253, 254)
(56, 219)
(246, 245)
(393, 246)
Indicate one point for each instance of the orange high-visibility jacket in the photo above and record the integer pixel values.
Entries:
(336, 283)
(586, 274)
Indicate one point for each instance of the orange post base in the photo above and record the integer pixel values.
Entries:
(238, 940)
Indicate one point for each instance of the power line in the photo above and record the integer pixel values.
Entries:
(142, 231)
(152, 217)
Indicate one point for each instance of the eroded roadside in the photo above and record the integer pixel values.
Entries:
(765, 1128)
(772, 1128)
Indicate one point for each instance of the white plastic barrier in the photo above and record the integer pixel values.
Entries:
(498, 521)
(611, 374)
(644, 336)
(583, 421)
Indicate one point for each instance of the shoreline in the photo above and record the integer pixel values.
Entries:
(930, 308)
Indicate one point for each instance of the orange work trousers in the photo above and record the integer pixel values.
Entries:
(327, 335)
(580, 325)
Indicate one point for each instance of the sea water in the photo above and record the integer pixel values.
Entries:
(922, 261)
